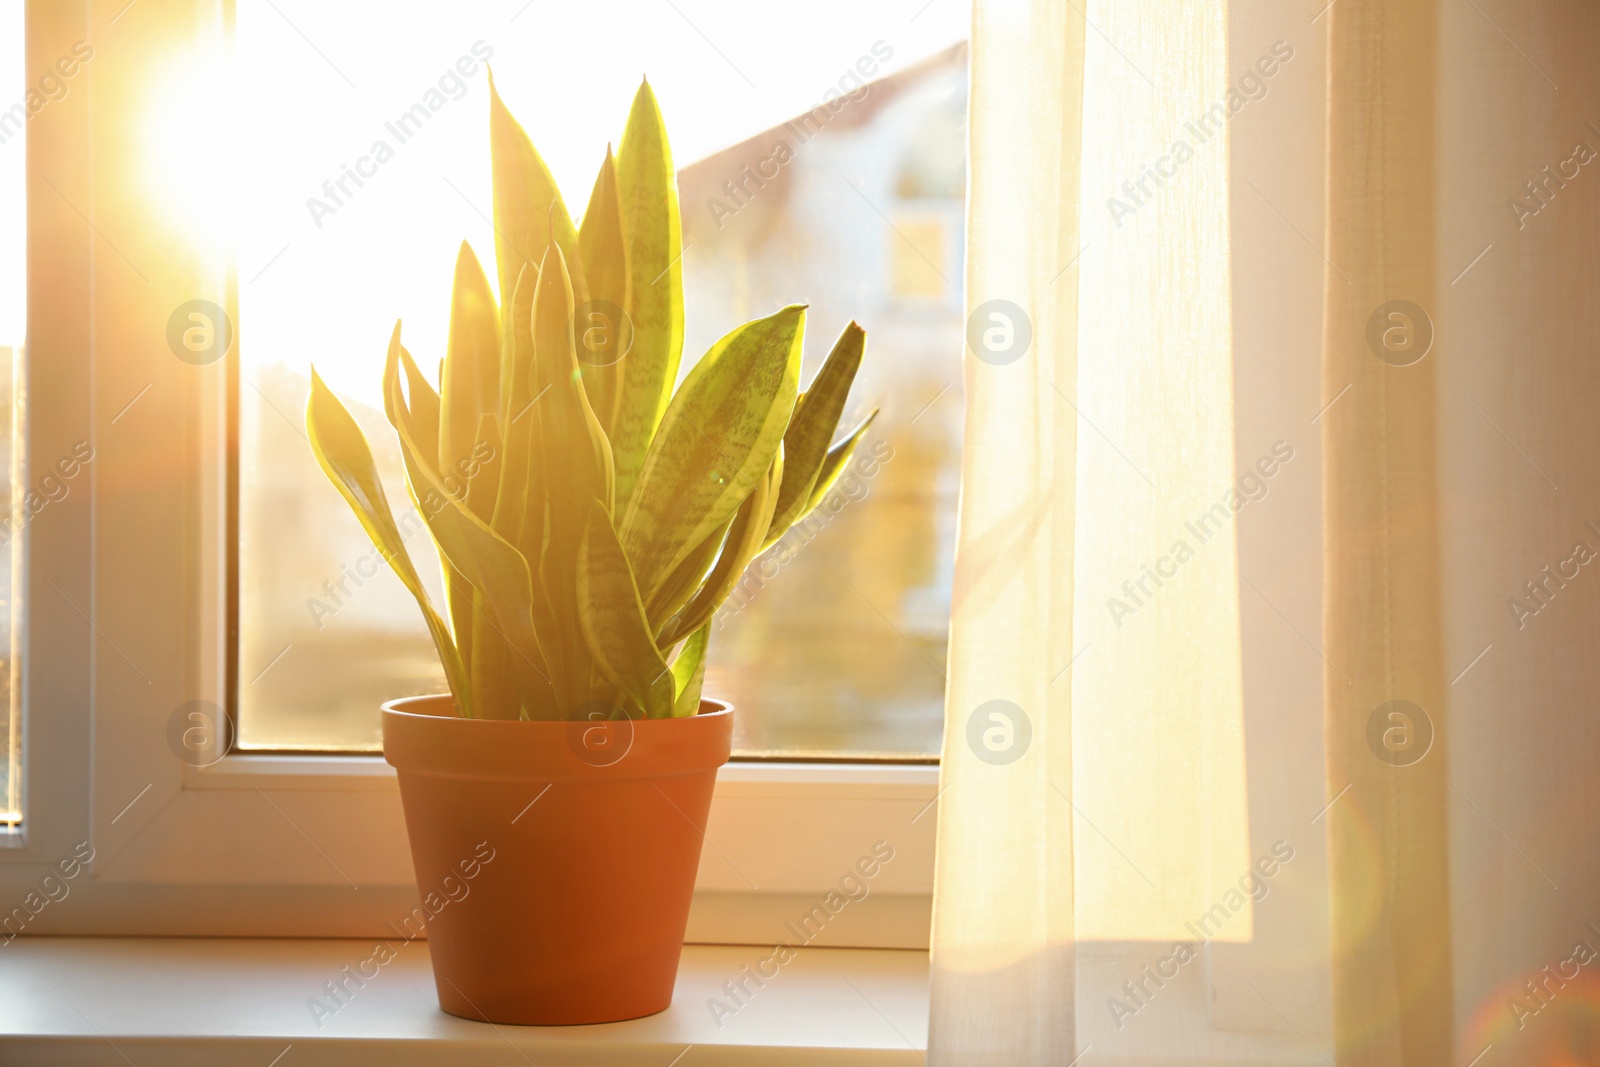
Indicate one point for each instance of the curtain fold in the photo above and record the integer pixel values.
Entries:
(1386, 717)
(1003, 922)
(1092, 785)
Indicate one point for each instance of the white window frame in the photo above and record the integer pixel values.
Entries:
(125, 584)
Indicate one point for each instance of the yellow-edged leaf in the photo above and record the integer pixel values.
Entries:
(493, 566)
(345, 457)
(744, 541)
(613, 620)
(469, 383)
(834, 465)
(574, 457)
(816, 417)
(686, 578)
(528, 210)
(603, 331)
(717, 441)
(689, 673)
(648, 187)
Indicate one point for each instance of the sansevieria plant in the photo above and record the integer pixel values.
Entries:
(589, 519)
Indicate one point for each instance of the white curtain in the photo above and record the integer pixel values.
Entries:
(1093, 786)
(1281, 385)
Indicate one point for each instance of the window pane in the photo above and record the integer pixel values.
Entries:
(13, 330)
(790, 192)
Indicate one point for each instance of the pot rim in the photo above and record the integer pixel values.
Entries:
(435, 745)
(397, 706)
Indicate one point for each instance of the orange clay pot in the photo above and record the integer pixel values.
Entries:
(555, 860)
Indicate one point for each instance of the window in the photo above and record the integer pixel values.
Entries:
(834, 177)
(189, 285)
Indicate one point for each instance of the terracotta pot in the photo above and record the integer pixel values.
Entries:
(555, 861)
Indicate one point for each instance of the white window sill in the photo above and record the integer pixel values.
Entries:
(223, 1001)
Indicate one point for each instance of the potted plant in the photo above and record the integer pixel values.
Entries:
(589, 521)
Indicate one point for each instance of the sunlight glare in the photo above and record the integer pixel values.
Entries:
(191, 143)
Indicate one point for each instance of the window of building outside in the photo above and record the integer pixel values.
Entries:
(830, 172)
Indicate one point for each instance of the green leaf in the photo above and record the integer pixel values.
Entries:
(345, 457)
(689, 673)
(528, 210)
(474, 481)
(575, 458)
(613, 621)
(685, 578)
(816, 417)
(744, 541)
(493, 566)
(424, 414)
(716, 442)
(423, 403)
(603, 331)
(494, 675)
(521, 507)
(518, 502)
(469, 384)
(481, 476)
(648, 186)
(834, 465)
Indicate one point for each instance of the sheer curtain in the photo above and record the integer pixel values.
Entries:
(1270, 724)
(1094, 695)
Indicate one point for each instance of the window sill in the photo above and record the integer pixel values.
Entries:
(180, 1001)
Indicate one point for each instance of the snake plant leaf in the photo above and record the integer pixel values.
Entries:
(521, 506)
(422, 411)
(613, 621)
(346, 459)
(469, 381)
(689, 673)
(716, 442)
(495, 685)
(423, 402)
(685, 578)
(816, 416)
(520, 424)
(391, 375)
(744, 541)
(648, 186)
(493, 566)
(834, 466)
(474, 481)
(481, 475)
(575, 459)
(604, 332)
(528, 210)
(577, 455)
